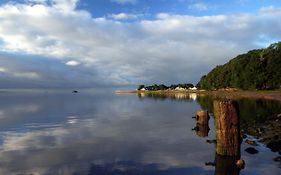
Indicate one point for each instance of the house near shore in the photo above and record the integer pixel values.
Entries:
(180, 88)
(193, 88)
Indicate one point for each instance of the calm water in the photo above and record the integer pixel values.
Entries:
(102, 133)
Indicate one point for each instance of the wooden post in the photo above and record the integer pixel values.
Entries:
(202, 123)
(227, 128)
(202, 117)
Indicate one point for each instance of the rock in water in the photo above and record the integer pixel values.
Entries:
(251, 150)
(251, 142)
(240, 163)
(274, 145)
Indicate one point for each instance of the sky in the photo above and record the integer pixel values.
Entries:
(109, 43)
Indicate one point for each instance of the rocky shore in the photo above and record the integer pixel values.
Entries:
(267, 133)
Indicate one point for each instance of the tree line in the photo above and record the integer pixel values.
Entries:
(156, 87)
(258, 69)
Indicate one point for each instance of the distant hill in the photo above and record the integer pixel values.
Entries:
(258, 69)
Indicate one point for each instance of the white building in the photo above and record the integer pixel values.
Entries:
(179, 89)
(194, 88)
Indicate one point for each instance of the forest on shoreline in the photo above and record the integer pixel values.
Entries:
(258, 69)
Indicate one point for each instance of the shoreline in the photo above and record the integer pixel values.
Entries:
(229, 94)
(267, 95)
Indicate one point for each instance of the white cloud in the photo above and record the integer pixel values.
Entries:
(65, 5)
(19, 74)
(72, 63)
(28, 75)
(2, 70)
(123, 16)
(159, 50)
(199, 6)
(270, 10)
(125, 1)
(162, 15)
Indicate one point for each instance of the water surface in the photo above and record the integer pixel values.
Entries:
(99, 132)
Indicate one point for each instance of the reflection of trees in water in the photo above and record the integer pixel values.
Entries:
(206, 103)
(172, 96)
(251, 111)
(259, 118)
(257, 111)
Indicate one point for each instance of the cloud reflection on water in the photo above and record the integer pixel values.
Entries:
(102, 133)
(90, 133)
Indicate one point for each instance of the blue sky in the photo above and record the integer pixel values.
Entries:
(100, 8)
(151, 8)
(81, 43)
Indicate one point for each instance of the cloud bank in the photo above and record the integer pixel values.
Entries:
(166, 49)
(123, 16)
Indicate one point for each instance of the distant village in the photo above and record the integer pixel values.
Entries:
(178, 87)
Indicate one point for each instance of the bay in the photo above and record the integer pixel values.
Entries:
(100, 132)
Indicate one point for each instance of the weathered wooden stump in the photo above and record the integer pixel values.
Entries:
(227, 128)
(202, 123)
(202, 117)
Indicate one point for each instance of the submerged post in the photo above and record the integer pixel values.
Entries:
(202, 117)
(202, 123)
(202, 130)
(227, 128)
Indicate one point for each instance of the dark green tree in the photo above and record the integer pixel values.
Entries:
(258, 69)
(140, 87)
